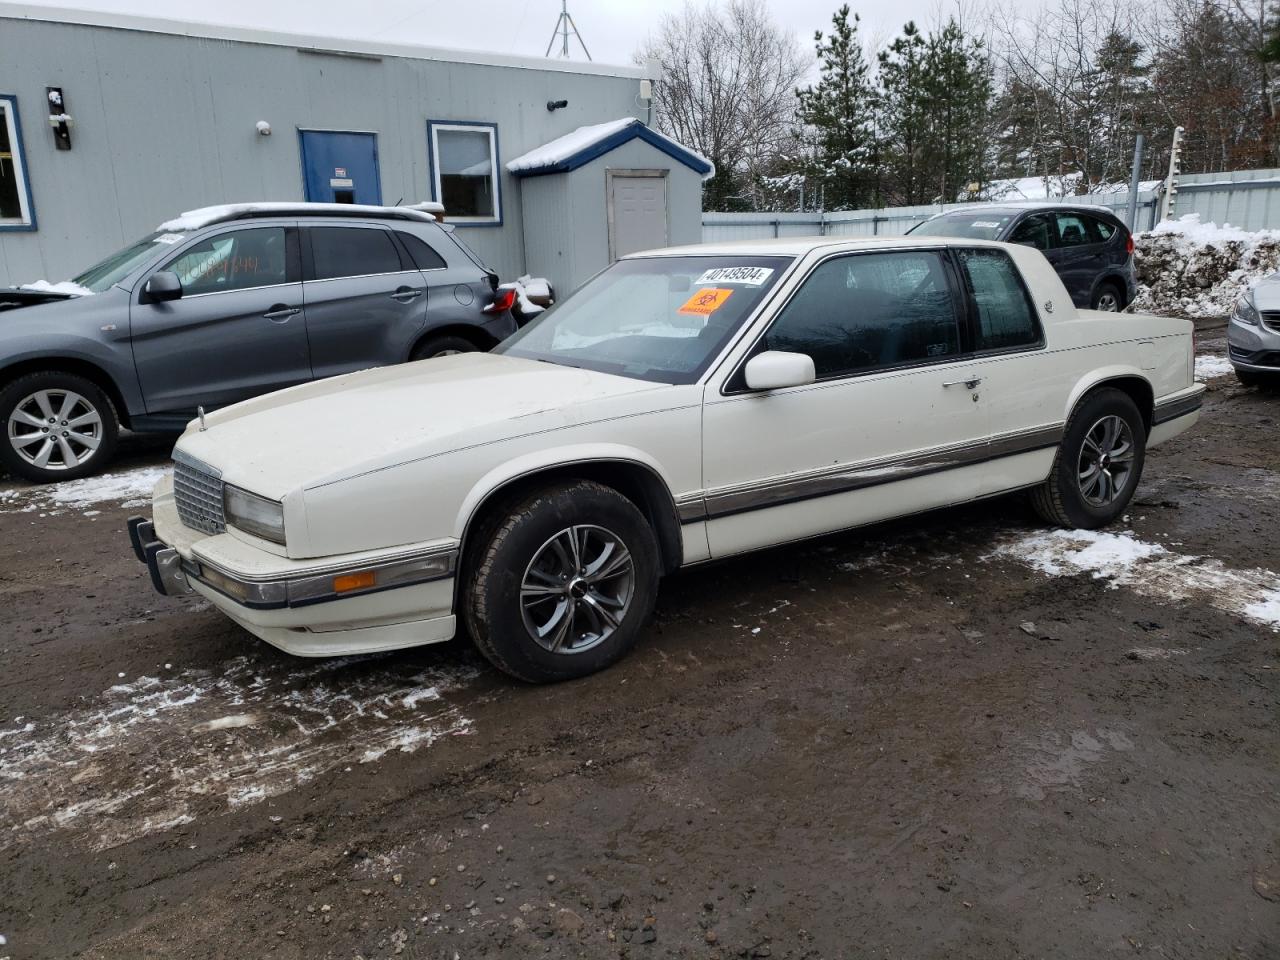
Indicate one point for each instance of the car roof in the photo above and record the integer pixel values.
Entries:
(222, 213)
(1020, 206)
(800, 246)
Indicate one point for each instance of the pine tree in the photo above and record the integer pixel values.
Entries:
(838, 116)
(957, 89)
(904, 117)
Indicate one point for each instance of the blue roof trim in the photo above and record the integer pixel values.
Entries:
(615, 140)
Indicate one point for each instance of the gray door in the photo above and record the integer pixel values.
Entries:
(637, 211)
(236, 332)
(365, 304)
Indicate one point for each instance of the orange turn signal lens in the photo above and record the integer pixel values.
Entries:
(354, 581)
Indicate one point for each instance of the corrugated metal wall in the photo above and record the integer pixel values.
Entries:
(164, 123)
(1248, 199)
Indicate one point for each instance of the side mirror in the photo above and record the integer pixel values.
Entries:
(163, 286)
(775, 369)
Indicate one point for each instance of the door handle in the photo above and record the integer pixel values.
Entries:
(281, 312)
(967, 384)
(406, 294)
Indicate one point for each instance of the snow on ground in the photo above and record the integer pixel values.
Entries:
(1194, 269)
(161, 751)
(1210, 366)
(128, 488)
(1151, 570)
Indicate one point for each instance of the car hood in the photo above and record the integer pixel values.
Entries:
(1266, 293)
(329, 430)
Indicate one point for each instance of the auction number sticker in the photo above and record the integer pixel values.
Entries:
(169, 238)
(706, 301)
(992, 224)
(751, 276)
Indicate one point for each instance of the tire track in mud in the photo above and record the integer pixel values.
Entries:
(162, 751)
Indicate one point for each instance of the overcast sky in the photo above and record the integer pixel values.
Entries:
(611, 28)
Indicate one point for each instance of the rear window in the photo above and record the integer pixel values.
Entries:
(352, 252)
(980, 225)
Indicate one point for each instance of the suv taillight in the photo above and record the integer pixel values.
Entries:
(504, 298)
(1128, 245)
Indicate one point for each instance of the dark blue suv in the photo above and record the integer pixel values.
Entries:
(1088, 246)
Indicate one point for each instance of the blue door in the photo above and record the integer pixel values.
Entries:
(340, 167)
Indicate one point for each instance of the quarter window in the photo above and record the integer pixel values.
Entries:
(238, 260)
(1104, 229)
(464, 163)
(869, 311)
(15, 195)
(424, 258)
(352, 252)
(1073, 231)
(1006, 317)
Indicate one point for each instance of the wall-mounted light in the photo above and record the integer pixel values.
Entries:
(263, 128)
(553, 105)
(646, 89)
(59, 119)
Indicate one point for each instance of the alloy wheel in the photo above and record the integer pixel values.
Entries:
(1108, 302)
(1106, 461)
(577, 589)
(55, 429)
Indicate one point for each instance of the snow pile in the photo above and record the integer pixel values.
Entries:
(63, 286)
(1187, 268)
(1212, 365)
(533, 294)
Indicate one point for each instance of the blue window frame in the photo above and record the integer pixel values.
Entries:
(16, 209)
(465, 177)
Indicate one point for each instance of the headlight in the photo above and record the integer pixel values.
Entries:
(254, 514)
(1245, 312)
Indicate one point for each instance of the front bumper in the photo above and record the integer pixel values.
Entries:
(364, 603)
(1253, 347)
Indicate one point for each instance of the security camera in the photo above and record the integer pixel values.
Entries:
(263, 128)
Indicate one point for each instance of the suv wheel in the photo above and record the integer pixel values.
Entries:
(563, 582)
(1108, 298)
(58, 426)
(1098, 464)
(442, 347)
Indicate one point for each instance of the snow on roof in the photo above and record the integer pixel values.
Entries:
(202, 217)
(586, 143)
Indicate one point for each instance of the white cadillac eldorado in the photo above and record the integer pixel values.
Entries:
(683, 406)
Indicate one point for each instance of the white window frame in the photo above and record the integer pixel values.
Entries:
(9, 117)
(433, 129)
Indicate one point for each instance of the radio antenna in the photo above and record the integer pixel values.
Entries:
(565, 27)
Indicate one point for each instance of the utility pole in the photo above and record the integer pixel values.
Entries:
(1133, 183)
(564, 28)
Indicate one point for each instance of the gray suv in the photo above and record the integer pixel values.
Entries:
(221, 305)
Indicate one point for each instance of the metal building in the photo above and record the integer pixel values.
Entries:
(111, 124)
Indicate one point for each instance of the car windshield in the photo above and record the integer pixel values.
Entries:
(105, 273)
(978, 224)
(652, 318)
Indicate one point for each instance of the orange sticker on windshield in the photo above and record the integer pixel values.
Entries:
(706, 301)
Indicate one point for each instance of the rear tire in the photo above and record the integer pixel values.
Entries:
(1108, 298)
(1099, 463)
(562, 583)
(57, 426)
(442, 347)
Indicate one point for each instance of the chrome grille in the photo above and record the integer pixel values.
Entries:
(197, 491)
(1271, 319)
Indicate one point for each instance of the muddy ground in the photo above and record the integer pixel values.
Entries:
(948, 737)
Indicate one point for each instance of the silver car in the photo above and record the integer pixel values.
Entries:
(224, 304)
(1253, 334)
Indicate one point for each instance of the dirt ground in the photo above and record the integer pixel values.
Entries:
(930, 739)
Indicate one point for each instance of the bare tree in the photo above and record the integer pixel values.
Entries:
(727, 89)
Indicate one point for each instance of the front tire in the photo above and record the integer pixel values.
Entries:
(57, 426)
(1098, 465)
(563, 582)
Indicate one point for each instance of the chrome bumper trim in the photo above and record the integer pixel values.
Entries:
(1175, 407)
(301, 589)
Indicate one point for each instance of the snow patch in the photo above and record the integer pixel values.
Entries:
(1211, 366)
(62, 286)
(1151, 570)
(129, 488)
(129, 764)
